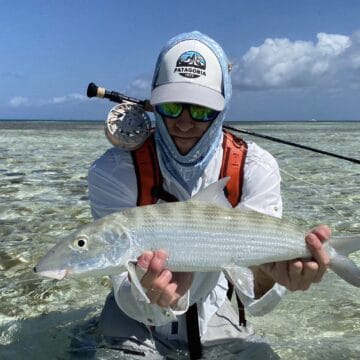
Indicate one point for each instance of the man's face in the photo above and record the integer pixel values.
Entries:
(185, 132)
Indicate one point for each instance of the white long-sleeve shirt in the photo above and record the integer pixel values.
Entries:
(113, 186)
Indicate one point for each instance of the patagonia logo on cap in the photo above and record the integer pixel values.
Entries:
(189, 72)
(191, 64)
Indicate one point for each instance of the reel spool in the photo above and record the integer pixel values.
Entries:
(127, 125)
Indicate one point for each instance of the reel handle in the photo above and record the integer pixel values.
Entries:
(100, 92)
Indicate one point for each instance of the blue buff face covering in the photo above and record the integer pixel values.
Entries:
(187, 169)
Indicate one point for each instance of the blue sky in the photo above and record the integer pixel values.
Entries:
(293, 60)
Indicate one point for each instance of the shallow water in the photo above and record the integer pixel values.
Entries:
(43, 195)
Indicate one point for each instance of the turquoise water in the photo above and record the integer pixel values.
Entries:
(43, 195)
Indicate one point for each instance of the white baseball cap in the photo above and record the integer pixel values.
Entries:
(189, 73)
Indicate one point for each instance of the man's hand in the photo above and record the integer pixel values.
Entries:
(296, 274)
(164, 287)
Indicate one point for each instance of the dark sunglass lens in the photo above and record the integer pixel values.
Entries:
(172, 110)
(202, 113)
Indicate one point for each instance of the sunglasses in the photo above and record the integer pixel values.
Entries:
(197, 112)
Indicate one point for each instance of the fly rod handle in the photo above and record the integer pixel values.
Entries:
(100, 92)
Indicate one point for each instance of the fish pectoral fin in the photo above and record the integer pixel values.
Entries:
(214, 194)
(138, 291)
(243, 280)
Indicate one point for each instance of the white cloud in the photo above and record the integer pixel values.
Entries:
(139, 87)
(284, 64)
(332, 45)
(141, 84)
(19, 101)
(67, 98)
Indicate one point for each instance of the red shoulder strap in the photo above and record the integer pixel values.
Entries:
(147, 170)
(234, 154)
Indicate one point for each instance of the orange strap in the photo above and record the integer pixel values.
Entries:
(234, 154)
(147, 171)
(149, 178)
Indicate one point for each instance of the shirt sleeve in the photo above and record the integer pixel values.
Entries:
(262, 193)
(135, 305)
(261, 185)
(112, 183)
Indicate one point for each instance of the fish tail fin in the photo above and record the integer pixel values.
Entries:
(340, 263)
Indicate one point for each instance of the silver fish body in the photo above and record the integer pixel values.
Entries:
(205, 237)
(197, 235)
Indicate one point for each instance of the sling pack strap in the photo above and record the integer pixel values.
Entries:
(193, 333)
(234, 154)
(149, 182)
(147, 171)
(240, 305)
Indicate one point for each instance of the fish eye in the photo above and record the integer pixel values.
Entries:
(81, 243)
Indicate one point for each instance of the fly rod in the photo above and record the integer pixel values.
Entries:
(95, 91)
(267, 137)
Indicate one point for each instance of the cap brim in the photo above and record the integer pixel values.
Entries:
(188, 93)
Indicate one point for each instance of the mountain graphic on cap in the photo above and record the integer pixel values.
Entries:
(192, 58)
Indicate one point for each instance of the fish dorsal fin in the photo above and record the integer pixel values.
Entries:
(214, 194)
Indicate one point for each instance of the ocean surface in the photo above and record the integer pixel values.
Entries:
(43, 196)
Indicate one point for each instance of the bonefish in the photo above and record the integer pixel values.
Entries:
(197, 235)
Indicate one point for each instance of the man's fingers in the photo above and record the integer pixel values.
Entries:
(323, 232)
(295, 268)
(168, 296)
(296, 274)
(153, 295)
(143, 263)
(159, 286)
(313, 273)
(314, 242)
(144, 260)
(156, 266)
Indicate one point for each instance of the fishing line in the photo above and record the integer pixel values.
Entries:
(313, 188)
(298, 179)
(100, 92)
(313, 185)
(336, 205)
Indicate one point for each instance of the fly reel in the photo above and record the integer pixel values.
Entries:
(127, 125)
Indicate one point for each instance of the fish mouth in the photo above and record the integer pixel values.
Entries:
(52, 274)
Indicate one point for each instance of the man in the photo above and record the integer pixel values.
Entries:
(190, 93)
